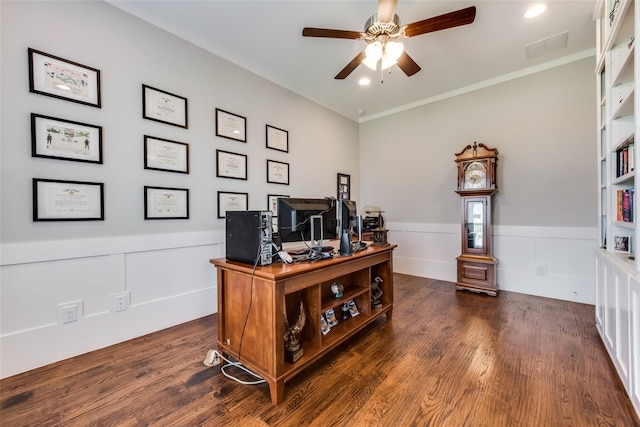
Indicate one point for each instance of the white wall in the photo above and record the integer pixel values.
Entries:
(162, 264)
(544, 127)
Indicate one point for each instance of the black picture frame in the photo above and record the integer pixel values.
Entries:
(344, 186)
(277, 172)
(231, 125)
(166, 155)
(227, 199)
(62, 139)
(60, 78)
(166, 203)
(62, 200)
(164, 107)
(272, 203)
(231, 165)
(276, 138)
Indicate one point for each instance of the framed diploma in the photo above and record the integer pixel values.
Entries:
(232, 126)
(164, 107)
(272, 202)
(166, 203)
(60, 78)
(166, 155)
(228, 201)
(344, 186)
(231, 165)
(277, 139)
(65, 140)
(277, 172)
(55, 200)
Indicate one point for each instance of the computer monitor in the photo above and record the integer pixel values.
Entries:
(347, 215)
(294, 218)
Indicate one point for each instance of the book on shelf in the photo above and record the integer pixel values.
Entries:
(625, 205)
(632, 157)
(619, 205)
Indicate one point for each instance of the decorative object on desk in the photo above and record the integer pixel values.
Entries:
(353, 308)
(376, 293)
(380, 237)
(324, 326)
(292, 344)
(277, 139)
(65, 140)
(277, 172)
(231, 126)
(345, 310)
(164, 107)
(337, 289)
(622, 244)
(332, 320)
(60, 78)
(344, 186)
(477, 178)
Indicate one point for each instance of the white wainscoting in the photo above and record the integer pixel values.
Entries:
(565, 254)
(168, 278)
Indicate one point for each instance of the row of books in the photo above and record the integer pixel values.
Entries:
(625, 203)
(625, 160)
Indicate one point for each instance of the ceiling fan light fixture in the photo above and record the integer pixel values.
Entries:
(393, 50)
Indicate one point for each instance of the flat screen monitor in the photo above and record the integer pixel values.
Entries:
(294, 218)
(347, 214)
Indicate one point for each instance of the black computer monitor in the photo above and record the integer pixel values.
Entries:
(347, 215)
(294, 218)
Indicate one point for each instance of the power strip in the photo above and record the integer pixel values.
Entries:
(212, 359)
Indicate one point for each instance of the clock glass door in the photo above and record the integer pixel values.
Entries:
(474, 225)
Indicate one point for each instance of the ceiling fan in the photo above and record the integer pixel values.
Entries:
(381, 32)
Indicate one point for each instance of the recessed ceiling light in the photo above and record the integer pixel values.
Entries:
(364, 81)
(534, 11)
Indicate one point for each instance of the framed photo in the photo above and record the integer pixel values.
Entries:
(56, 200)
(622, 244)
(231, 165)
(232, 126)
(164, 107)
(166, 203)
(166, 155)
(277, 172)
(272, 202)
(228, 201)
(60, 78)
(344, 186)
(277, 139)
(65, 140)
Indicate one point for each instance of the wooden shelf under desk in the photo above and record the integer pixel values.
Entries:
(252, 304)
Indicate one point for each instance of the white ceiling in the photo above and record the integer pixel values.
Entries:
(265, 37)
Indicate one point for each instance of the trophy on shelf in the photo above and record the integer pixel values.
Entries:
(337, 289)
(292, 342)
(376, 293)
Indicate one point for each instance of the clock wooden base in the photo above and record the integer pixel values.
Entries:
(477, 274)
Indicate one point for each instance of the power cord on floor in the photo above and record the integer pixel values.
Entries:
(213, 358)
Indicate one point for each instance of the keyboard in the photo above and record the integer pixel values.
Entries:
(306, 251)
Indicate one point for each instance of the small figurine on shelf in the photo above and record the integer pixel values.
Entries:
(345, 311)
(353, 308)
(337, 289)
(292, 343)
(376, 293)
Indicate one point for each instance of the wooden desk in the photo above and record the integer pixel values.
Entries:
(252, 306)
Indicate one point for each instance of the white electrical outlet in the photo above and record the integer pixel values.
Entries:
(120, 302)
(68, 312)
(541, 269)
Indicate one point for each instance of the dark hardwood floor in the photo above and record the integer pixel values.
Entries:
(446, 358)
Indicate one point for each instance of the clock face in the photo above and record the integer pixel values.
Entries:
(475, 176)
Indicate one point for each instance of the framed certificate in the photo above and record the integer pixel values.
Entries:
(166, 203)
(60, 78)
(231, 126)
(272, 203)
(228, 201)
(164, 107)
(344, 186)
(65, 140)
(277, 172)
(277, 139)
(56, 200)
(231, 165)
(166, 155)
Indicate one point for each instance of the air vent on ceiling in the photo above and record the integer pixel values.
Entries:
(544, 46)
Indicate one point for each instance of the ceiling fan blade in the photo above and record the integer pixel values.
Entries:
(333, 34)
(386, 10)
(442, 22)
(350, 66)
(408, 65)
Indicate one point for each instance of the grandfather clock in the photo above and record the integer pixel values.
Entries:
(476, 185)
